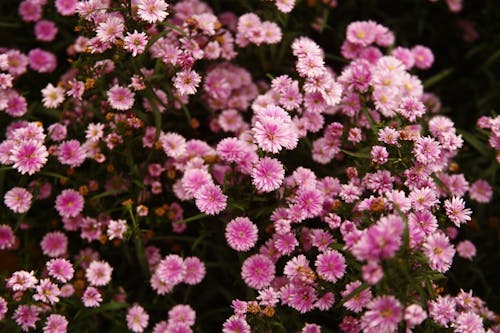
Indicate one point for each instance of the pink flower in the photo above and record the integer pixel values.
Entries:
(16, 105)
(98, 273)
(384, 314)
(18, 200)
(135, 42)
(414, 315)
(66, 7)
(443, 310)
(241, 234)
(7, 238)
(258, 271)
(466, 249)
(55, 324)
(120, 98)
(236, 324)
(195, 270)
(171, 270)
(91, 297)
(210, 199)
(3, 308)
(427, 150)
(28, 156)
(152, 11)
(30, 10)
(47, 292)
(26, 316)
(54, 244)
(268, 174)
(116, 229)
(137, 318)
(173, 144)
(42, 61)
(359, 300)
(52, 96)
(69, 203)
(330, 265)
(424, 58)
(110, 30)
(379, 155)
(481, 191)
(21, 281)
(456, 211)
(186, 82)
(468, 322)
(361, 32)
(71, 153)
(45, 30)
(439, 251)
(274, 130)
(60, 269)
(285, 6)
(182, 314)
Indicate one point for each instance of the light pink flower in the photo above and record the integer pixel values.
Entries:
(195, 270)
(384, 314)
(171, 270)
(120, 98)
(210, 199)
(268, 174)
(18, 200)
(186, 82)
(52, 96)
(47, 292)
(330, 265)
(54, 244)
(60, 269)
(69, 203)
(98, 273)
(152, 11)
(91, 297)
(135, 42)
(241, 234)
(258, 271)
(137, 318)
(28, 156)
(456, 211)
(439, 251)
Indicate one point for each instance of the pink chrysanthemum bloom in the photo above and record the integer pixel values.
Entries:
(414, 315)
(120, 98)
(55, 324)
(152, 11)
(424, 58)
(210, 199)
(110, 30)
(42, 61)
(241, 234)
(274, 133)
(71, 153)
(26, 316)
(116, 229)
(7, 237)
(325, 302)
(439, 251)
(91, 298)
(268, 297)
(456, 211)
(69, 203)
(384, 314)
(330, 265)
(311, 328)
(3, 308)
(28, 156)
(186, 82)
(47, 292)
(361, 33)
(66, 7)
(171, 270)
(137, 318)
(268, 174)
(98, 273)
(18, 200)
(443, 310)
(359, 300)
(135, 42)
(52, 96)
(30, 11)
(16, 105)
(379, 155)
(258, 271)
(60, 269)
(466, 249)
(173, 144)
(21, 281)
(297, 269)
(468, 322)
(285, 6)
(182, 314)
(236, 324)
(423, 199)
(54, 244)
(195, 270)
(481, 191)
(427, 150)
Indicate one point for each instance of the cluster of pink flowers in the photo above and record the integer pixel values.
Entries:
(99, 165)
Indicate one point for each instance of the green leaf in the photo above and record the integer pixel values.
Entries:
(472, 140)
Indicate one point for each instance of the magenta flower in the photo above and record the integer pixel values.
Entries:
(120, 98)
(45, 30)
(26, 316)
(210, 199)
(54, 244)
(91, 297)
(195, 270)
(236, 324)
(241, 234)
(60, 269)
(268, 174)
(424, 58)
(71, 153)
(3, 308)
(29, 156)
(182, 314)
(468, 322)
(137, 318)
(171, 270)
(7, 237)
(384, 314)
(69, 203)
(359, 300)
(55, 324)
(258, 271)
(330, 265)
(18, 200)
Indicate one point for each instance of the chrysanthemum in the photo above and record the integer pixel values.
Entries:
(135, 42)
(116, 229)
(258, 271)
(424, 58)
(330, 265)
(21, 281)
(173, 144)
(171, 270)
(55, 323)
(54, 244)
(414, 315)
(18, 199)
(71, 153)
(98, 273)
(186, 82)
(120, 98)
(468, 322)
(384, 314)
(28, 156)
(152, 10)
(111, 29)
(52, 96)
(3, 308)
(241, 234)
(456, 211)
(466, 249)
(236, 324)
(47, 292)
(210, 199)
(268, 174)
(60, 269)
(443, 310)
(359, 300)
(69, 203)
(66, 7)
(481, 191)
(26, 316)
(137, 318)
(439, 251)
(7, 238)
(272, 133)
(195, 270)
(182, 314)
(361, 32)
